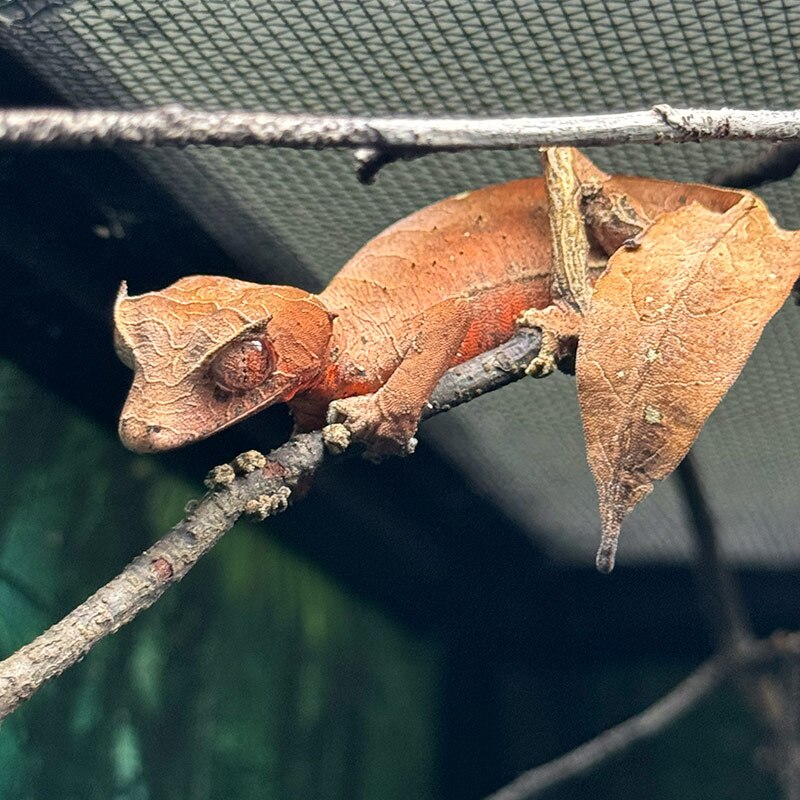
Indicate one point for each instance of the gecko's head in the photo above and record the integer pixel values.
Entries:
(207, 352)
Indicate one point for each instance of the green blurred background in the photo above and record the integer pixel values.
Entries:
(256, 677)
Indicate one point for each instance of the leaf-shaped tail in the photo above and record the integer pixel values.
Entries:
(671, 325)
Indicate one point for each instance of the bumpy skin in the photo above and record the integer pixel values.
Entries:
(431, 291)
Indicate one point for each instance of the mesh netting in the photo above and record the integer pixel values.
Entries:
(522, 446)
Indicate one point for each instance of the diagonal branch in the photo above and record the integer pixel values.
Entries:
(261, 488)
(656, 718)
(739, 652)
(590, 755)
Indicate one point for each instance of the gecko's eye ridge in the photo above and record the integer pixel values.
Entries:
(124, 352)
(243, 365)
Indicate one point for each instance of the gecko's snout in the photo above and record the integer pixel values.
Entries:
(143, 438)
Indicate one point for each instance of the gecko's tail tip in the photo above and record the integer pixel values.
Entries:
(605, 561)
(607, 552)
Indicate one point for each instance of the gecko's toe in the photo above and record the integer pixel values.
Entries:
(336, 437)
(541, 366)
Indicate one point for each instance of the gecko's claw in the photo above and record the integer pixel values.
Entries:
(559, 327)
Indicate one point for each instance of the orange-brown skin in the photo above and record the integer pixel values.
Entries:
(429, 292)
(433, 290)
(436, 288)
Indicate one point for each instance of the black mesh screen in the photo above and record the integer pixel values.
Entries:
(297, 216)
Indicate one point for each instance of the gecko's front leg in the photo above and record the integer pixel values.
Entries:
(577, 205)
(387, 419)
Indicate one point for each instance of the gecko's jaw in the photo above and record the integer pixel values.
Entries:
(153, 421)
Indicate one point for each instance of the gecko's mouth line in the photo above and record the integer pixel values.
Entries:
(143, 436)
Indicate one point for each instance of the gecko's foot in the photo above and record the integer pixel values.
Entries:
(560, 328)
(384, 434)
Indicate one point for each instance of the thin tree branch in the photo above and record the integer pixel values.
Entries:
(178, 126)
(378, 141)
(590, 755)
(148, 576)
(485, 373)
(256, 485)
(646, 725)
(739, 652)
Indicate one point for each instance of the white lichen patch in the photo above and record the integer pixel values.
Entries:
(248, 462)
(267, 505)
(220, 476)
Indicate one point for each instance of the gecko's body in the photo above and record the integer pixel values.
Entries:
(431, 291)
(434, 289)
(462, 269)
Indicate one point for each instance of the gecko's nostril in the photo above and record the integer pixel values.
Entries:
(133, 434)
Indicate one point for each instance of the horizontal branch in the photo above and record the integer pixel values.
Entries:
(179, 127)
(256, 485)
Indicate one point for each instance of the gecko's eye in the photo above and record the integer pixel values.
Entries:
(243, 365)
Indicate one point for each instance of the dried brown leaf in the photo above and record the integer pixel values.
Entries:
(671, 325)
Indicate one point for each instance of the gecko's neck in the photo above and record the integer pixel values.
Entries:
(310, 404)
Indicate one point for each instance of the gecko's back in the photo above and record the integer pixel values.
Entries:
(490, 246)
